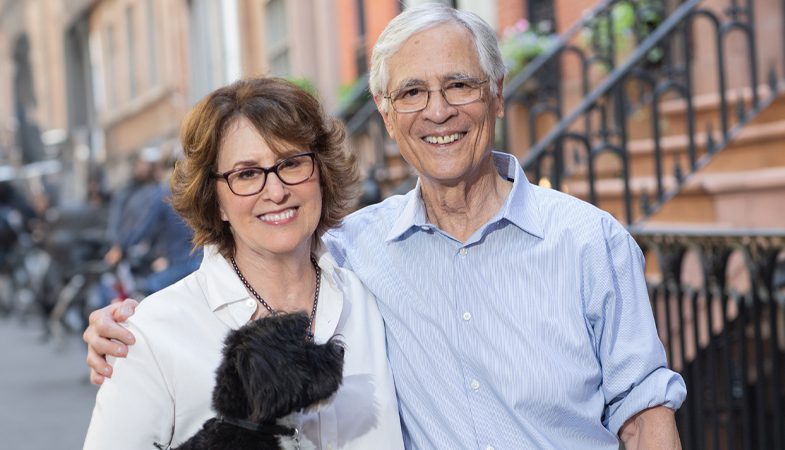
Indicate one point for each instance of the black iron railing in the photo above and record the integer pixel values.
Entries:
(601, 123)
(592, 43)
(365, 130)
(719, 303)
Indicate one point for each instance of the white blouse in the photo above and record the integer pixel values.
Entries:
(161, 393)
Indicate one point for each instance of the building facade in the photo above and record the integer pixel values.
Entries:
(92, 82)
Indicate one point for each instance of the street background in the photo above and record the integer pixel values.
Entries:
(45, 396)
(682, 142)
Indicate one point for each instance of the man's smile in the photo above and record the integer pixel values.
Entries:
(446, 139)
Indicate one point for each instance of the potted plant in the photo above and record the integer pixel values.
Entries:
(629, 22)
(521, 43)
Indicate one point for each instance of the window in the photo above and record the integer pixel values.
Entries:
(130, 35)
(111, 69)
(276, 33)
(206, 46)
(542, 15)
(152, 43)
(361, 49)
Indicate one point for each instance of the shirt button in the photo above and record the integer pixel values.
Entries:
(463, 251)
(250, 303)
(474, 385)
(467, 316)
(490, 447)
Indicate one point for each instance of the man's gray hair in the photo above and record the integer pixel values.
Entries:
(421, 18)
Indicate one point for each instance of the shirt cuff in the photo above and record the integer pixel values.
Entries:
(663, 387)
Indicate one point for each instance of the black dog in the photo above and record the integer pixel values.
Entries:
(269, 370)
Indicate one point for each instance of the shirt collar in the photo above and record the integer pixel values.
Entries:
(520, 207)
(225, 290)
(220, 281)
(412, 214)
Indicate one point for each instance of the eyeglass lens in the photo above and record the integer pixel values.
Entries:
(456, 93)
(290, 171)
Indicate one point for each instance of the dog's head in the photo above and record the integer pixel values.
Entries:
(269, 370)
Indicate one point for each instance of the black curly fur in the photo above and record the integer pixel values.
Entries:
(268, 371)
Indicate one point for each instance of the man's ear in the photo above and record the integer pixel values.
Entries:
(500, 98)
(385, 115)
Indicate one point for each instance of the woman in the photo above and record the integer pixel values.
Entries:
(264, 175)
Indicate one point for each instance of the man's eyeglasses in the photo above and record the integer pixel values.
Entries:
(456, 93)
(247, 181)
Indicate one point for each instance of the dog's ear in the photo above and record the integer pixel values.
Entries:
(266, 400)
(228, 395)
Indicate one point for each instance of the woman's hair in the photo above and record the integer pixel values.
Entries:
(423, 17)
(285, 116)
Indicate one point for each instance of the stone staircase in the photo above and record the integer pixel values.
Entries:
(741, 187)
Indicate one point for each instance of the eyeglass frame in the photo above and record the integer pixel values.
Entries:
(267, 171)
(389, 96)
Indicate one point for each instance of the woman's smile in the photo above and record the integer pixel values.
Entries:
(280, 217)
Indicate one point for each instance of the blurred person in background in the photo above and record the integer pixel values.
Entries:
(17, 217)
(17, 220)
(128, 205)
(16, 214)
(98, 196)
(151, 245)
(170, 244)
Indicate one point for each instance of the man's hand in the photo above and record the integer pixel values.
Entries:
(653, 428)
(105, 336)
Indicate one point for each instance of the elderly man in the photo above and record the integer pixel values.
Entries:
(516, 316)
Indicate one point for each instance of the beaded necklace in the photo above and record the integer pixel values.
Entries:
(270, 308)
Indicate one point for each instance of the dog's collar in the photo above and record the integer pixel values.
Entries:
(270, 428)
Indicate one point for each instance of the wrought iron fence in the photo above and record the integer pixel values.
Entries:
(602, 123)
(719, 303)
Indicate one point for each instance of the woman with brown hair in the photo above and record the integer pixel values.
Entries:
(264, 174)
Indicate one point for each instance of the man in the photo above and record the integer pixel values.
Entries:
(516, 317)
(170, 243)
(128, 205)
(143, 223)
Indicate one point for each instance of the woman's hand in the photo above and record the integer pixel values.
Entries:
(105, 335)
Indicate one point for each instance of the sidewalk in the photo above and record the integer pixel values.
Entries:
(45, 397)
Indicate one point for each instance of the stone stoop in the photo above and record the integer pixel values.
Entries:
(673, 112)
(742, 186)
(750, 199)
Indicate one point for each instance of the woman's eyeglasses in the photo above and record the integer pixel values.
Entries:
(247, 181)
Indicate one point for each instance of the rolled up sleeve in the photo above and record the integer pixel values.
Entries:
(635, 375)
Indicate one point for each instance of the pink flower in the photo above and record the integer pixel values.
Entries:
(522, 26)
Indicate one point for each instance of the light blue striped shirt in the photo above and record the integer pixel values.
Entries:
(535, 333)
